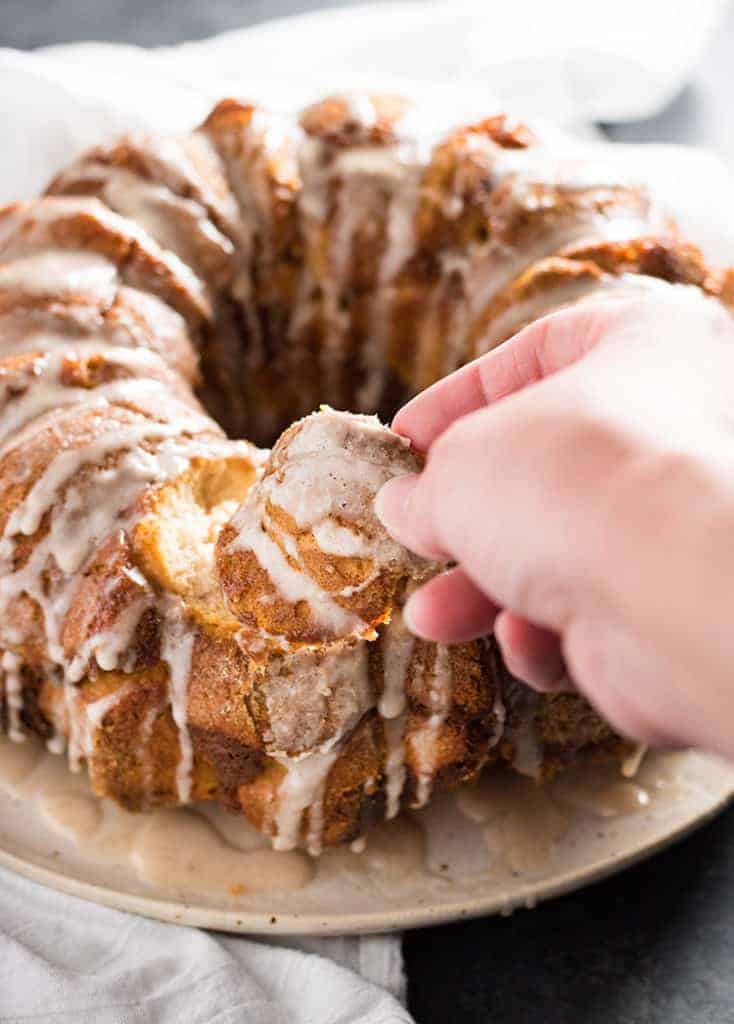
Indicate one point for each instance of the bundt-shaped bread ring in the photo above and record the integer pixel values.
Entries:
(194, 617)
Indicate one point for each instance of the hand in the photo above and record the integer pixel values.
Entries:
(581, 478)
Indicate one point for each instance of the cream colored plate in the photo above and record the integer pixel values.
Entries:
(488, 850)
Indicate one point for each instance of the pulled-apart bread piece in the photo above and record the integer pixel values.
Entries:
(305, 559)
(196, 618)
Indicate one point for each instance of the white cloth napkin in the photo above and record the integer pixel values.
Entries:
(62, 960)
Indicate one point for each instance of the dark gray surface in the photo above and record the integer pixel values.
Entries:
(656, 944)
(652, 946)
(27, 23)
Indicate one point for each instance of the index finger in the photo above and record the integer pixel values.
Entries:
(542, 348)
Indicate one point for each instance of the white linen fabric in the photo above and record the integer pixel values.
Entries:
(62, 960)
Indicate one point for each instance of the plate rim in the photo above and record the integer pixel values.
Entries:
(362, 922)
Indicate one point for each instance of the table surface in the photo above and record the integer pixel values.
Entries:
(654, 945)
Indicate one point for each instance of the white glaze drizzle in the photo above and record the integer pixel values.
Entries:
(84, 721)
(357, 184)
(343, 676)
(424, 742)
(528, 756)
(301, 790)
(400, 244)
(13, 686)
(397, 645)
(395, 770)
(631, 765)
(160, 212)
(59, 273)
(112, 648)
(24, 230)
(78, 526)
(42, 388)
(342, 185)
(177, 647)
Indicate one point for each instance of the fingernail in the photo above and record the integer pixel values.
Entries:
(391, 503)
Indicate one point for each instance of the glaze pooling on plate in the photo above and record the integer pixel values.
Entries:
(492, 845)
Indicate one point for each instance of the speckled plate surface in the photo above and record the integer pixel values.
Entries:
(490, 849)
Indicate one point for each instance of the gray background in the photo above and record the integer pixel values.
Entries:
(656, 944)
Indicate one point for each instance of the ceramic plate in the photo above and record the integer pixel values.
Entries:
(490, 849)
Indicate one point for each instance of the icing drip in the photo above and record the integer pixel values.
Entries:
(97, 710)
(139, 323)
(42, 389)
(424, 744)
(13, 684)
(177, 646)
(162, 214)
(398, 644)
(344, 190)
(400, 244)
(248, 168)
(499, 713)
(78, 526)
(336, 462)
(359, 108)
(56, 744)
(631, 764)
(343, 675)
(302, 790)
(107, 647)
(75, 727)
(395, 771)
(85, 720)
(501, 261)
(528, 756)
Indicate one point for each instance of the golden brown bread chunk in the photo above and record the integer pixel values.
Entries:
(196, 618)
(305, 559)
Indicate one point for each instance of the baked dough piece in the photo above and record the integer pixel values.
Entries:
(305, 559)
